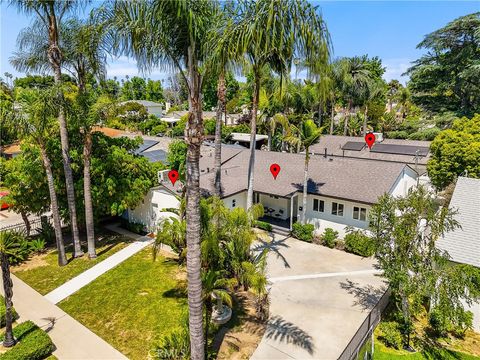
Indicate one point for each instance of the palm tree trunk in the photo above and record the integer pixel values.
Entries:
(194, 134)
(9, 340)
(87, 153)
(221, 90)
(365, 120)
(305, 185)
(269, 144)
(55, 59)
(62, 259)
(253, 136)
(208, 316)
(26, 221)
(345, 123)
(332, 119)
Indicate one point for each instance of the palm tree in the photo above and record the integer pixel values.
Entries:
(272, 33)
(171, 34)
(50, 14)
(9, 245)
(83, 55)
(372, 90)
(214, 284)
(39, 107)
(354, 75)
(308, 135)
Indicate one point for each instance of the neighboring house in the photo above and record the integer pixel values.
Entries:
(10, 151)
(244, 139)
(175, 116)
(341, 191)
(463, 244)
(152, 107)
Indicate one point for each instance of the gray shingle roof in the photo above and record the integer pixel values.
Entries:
(345, 178)
(463, 245)
(334, 144)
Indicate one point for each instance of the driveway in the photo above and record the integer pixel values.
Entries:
(318, 299)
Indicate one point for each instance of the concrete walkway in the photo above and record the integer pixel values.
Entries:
(73, 341)
(75, 284)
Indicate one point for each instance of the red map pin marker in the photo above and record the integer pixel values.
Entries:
(173, 176)
(370, 140)
(275, 169)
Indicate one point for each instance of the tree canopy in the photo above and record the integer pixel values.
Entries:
(447, 77)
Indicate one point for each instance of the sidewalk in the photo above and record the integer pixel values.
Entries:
(75, 284)
(73, 341)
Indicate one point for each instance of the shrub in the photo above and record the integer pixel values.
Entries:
(303, 231)
(438, 322)
(357, 242)
(137, 228)
(47, 232)
(263, 225)
(33, 343)
(37, 245)
(3, 310)
(329, 237)
(391, 335)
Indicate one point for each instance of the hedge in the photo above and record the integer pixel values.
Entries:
(33, 343)
(3, 310)
(303, 231)
(357, 242)
(263, 225)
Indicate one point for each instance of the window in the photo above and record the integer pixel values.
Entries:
(234, 203)
(337, 209)
(318, 205)
(359, 213)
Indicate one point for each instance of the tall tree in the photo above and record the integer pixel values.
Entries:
(50, 14)
(272, 33)
(9, 245)
(447, 77)
(354, 75)
(405, 231)
(40, 106)
(308, 134)
(172, 34)
(83, 56)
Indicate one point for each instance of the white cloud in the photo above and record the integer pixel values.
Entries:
(395, 68)
(122, 66)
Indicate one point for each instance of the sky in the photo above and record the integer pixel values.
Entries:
(390, 30)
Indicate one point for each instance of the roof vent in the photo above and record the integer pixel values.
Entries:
(378, 136)
(226, 172)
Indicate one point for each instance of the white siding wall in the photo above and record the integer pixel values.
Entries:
(240, 200)
(324, 220)
(149, 211)
(475, 309)
(405, 181)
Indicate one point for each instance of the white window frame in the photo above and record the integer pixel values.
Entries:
(337, 208)
(360, 210)
(319, 202)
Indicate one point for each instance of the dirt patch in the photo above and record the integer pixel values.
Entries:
(239, 338)
(33, 262)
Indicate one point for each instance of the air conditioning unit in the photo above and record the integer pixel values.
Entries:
(378, 136)
(162, 176)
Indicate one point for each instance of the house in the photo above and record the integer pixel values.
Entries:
(10, 151)
(152, 107)
(341, 191)
(463, 244)
(244, 139)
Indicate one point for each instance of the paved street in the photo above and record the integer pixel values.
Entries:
(319, 297)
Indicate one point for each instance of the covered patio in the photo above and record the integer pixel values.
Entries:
(278, 211)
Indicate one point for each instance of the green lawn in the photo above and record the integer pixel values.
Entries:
(384, 353)
(134, 304)
(43, 273)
